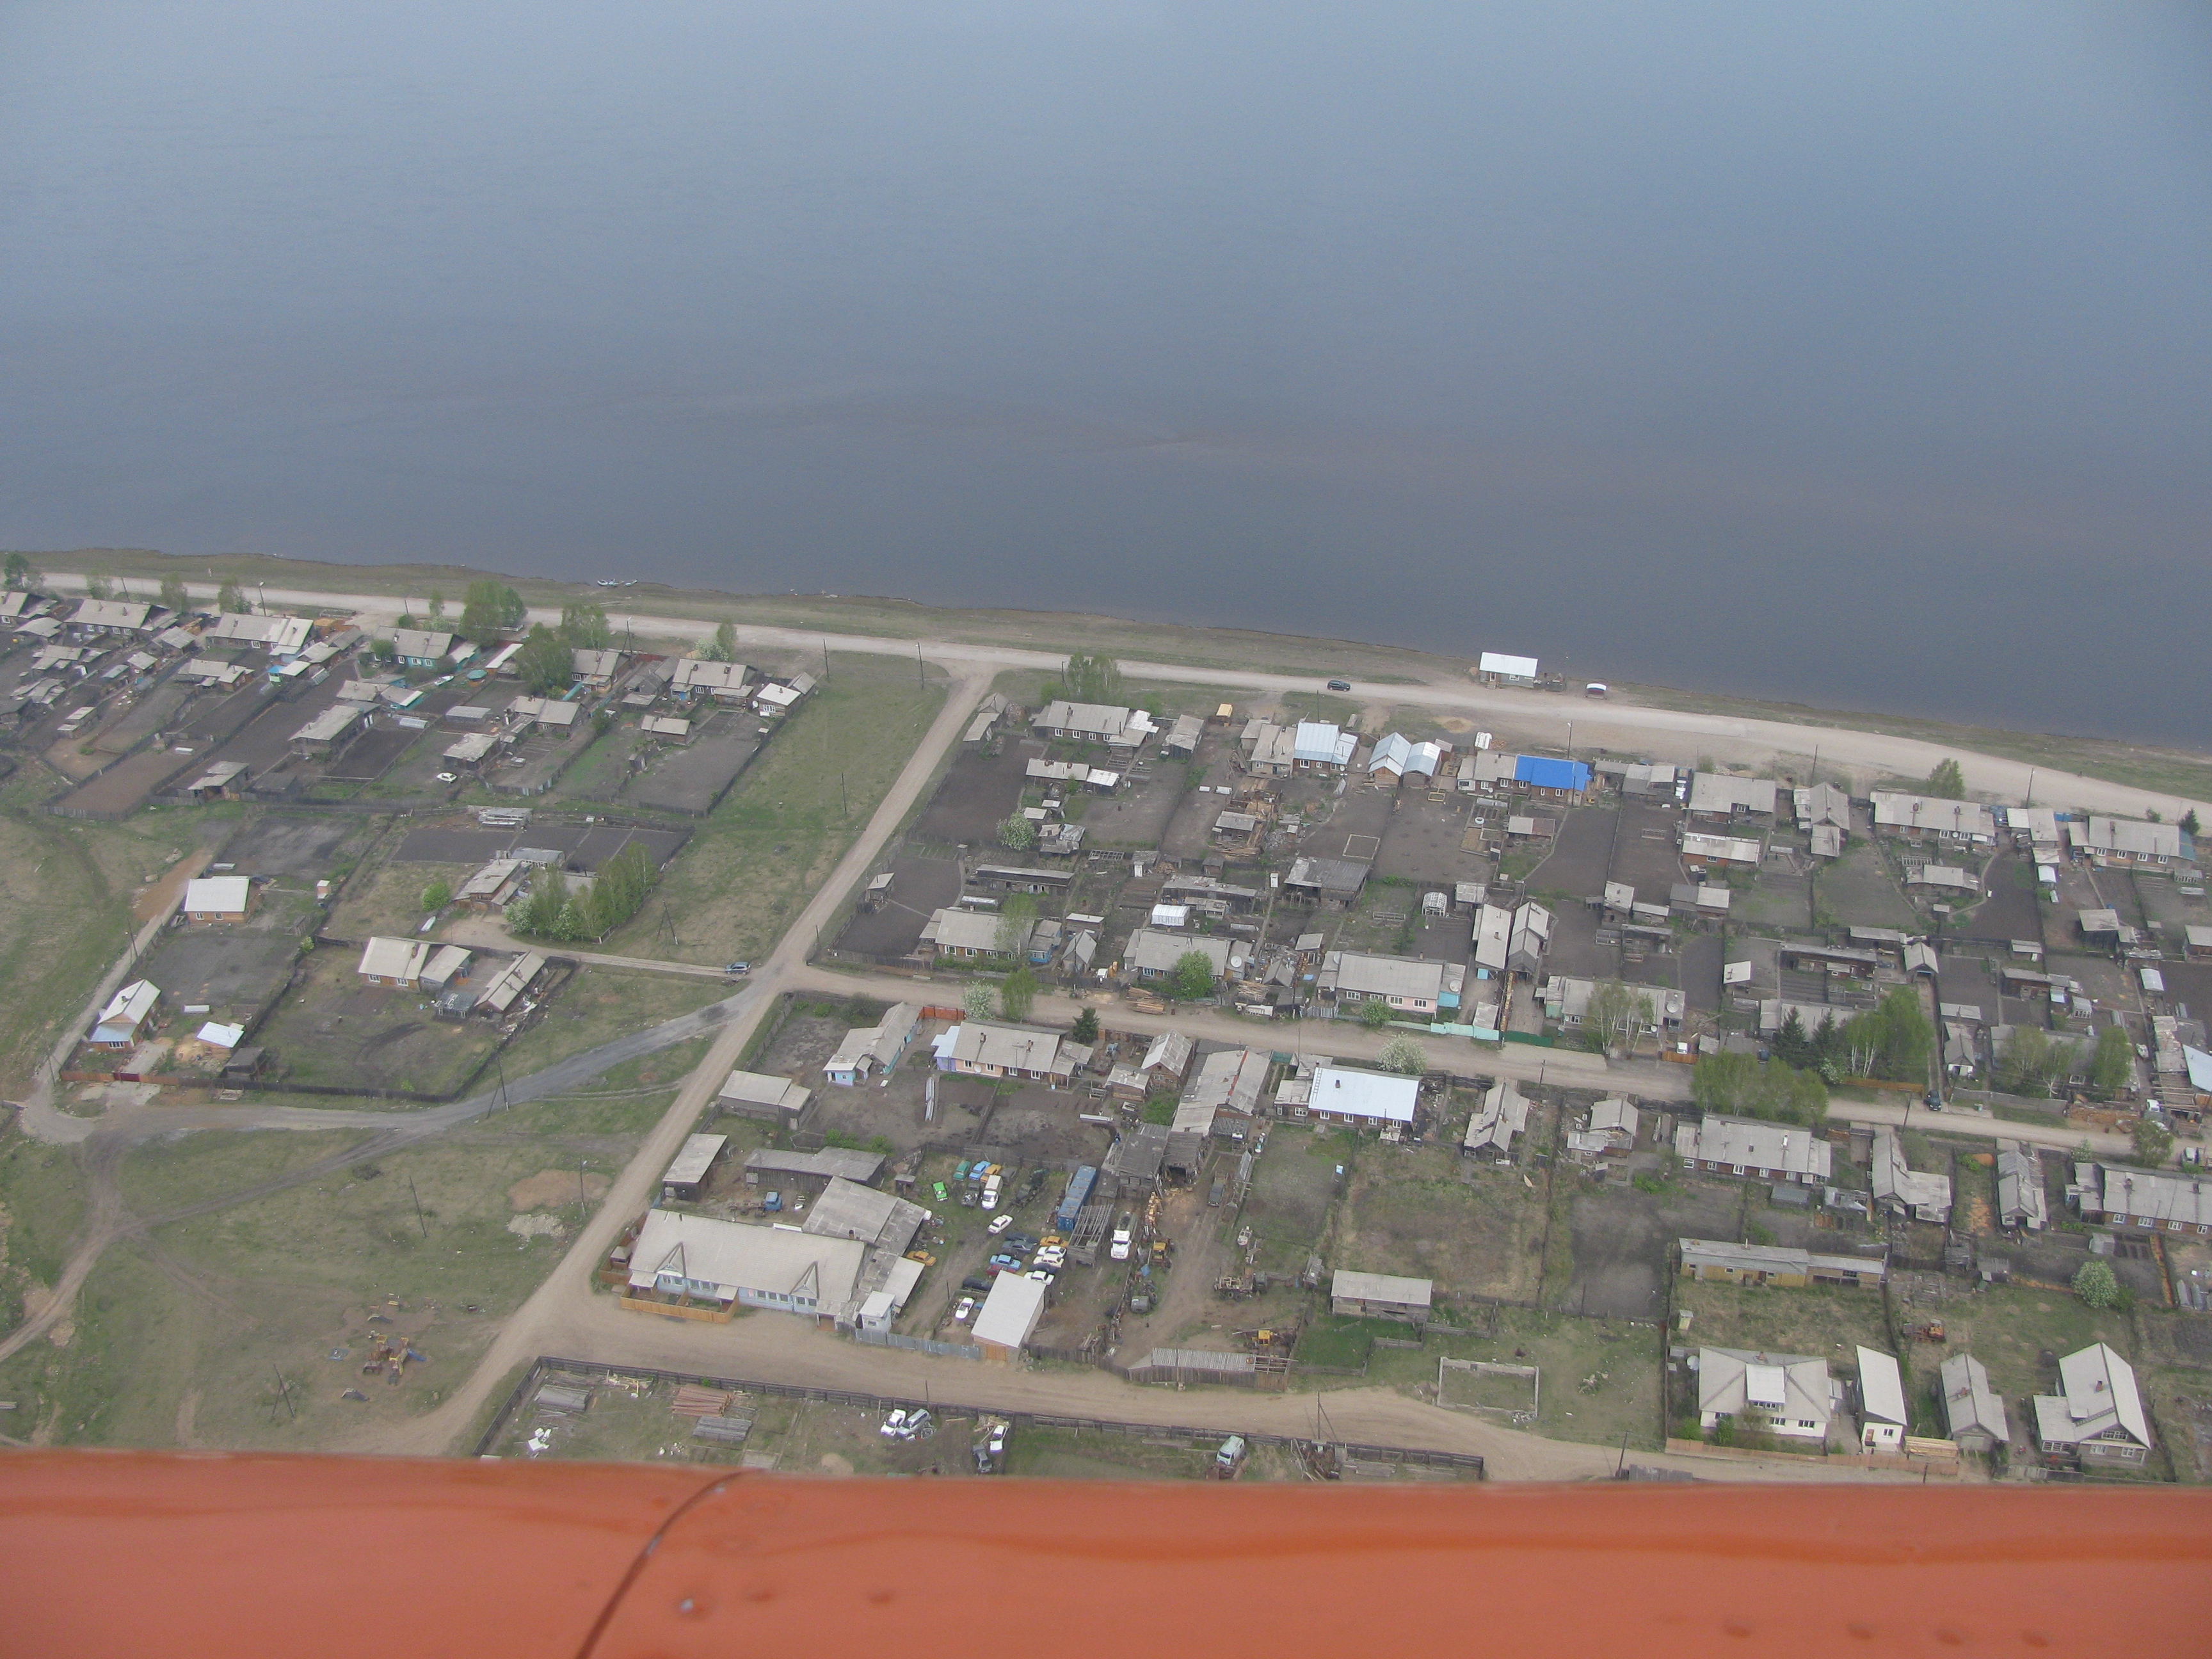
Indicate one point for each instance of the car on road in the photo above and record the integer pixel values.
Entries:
(967, 1306)
(1339, 685)
(738, 968)
(999, 1224)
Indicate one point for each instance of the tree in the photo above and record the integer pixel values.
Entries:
(2112, 1066)
(1947, 781)
(1737, 1086)
(2154, 1142)
(544, 663)
(1086, 1027)
(2096, 1284)
(1092, 679)
(979, 1000)
(487, 608)
(174, 597)
(618, 891)
(1016, 992)
(1721, 1083)
(723, 648)
(99, 587)
(437, 607)
(1374, 1014)
(438, 895)
(584, 627)
(1192, 978)
(1405, 1056)
(1616, 1012)
(383, 650)
(1893, 1039)
(1791, 1045)
(1016, 832)
(2188, 818)
(1016, 919)
(542, 910)
(2032, 1064)
(18, 573)
(230, 599)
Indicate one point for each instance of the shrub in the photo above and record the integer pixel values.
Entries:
(2096, 1284)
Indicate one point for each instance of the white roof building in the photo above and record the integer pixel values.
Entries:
(725, 1261)
(1400, 756)
(1010, 1313)
(1974, 1412)
(1963, 819)
(1722, 794)
(1882, 1417)
(127, 615)
(724, 679)
(397, 960)
(217, 896)
(2129, 838)
(758, 1089)
(1792, 1392)
(1318, 743)
(956, 931)
(1506, 668)
(1363, 1097)
(126, 1010)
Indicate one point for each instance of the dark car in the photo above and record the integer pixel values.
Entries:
(1019, 1243)
(975, 1282)
(1339, 685)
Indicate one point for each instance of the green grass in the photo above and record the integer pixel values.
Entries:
(778, 832)
(1599, 1378)
(1339, 1340)
(42, 1199)
(600, 1003)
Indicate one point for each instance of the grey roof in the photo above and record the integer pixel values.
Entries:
(847, 1210)
(2157, 1195)
(1734, 1380)
(1969, 1402)
(830, 1161)
(1950, 817)
(1156, 951)
(2021, 1199)
(1339, 876)
(2102, 835)
(1502, 1114)
(693, 1160)
(2097, 1400)
(1776, 1258)
(1926, 1196)
(1752, 1143)
(1719, 792)
(1390, 977)
(1389, 1288)
(1137, 1155)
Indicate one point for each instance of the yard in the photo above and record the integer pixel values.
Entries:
(1416, 1211)
(387, 899)
(1293, 1184)
(181, 1339)
(778, 832)
(1598, 1378)
(1825, 1321)
(600, 1003)
(68, 894)
(1858, 891)
(334, 1029)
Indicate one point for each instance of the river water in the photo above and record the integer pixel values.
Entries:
(1860, 359)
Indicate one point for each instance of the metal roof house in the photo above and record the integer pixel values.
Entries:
(393, 961)
(1502, 1114)
(2148, 1200)
(127, 1011)
(1498, 668)
(1321, 747)
(1722, 796)
(2021, 1198)
(1493, 937)
(951, 932)
(1567, 780)
(2125, 840)
(421, 647)
(218, 898)
(868, 1050)
(1755, 1147)
(975, 1047)
(1883, 1419)
(1905, 1190)
(1362, 1098)
(730, 1264)
(1918, 817)
(1791, 1394)
(1974, 1412)
(1397, 758)
(2096, 1418)
(1381, 1295)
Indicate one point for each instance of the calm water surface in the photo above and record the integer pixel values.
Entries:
(1860, 358)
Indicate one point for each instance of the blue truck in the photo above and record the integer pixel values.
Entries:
(1077, 1195)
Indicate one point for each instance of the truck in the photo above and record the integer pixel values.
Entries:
(1072, 1200)
(1228, 1458)
(1119, 1250)
(991, 1192)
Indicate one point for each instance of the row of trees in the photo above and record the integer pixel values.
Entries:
(1892, 1039)
(547, 663)
(1738, 1085)
(2035, 1063)
(553, 910)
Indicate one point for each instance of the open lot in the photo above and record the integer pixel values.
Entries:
(920, 887)
(236, 971)
(1598, 1378)
(180, 1340)
(297, 843)
(1826, 1322)
(128, 782)
(980, 790)
(1622, 1235)
(691, 777)
(1293, 1185)
(754, 861)
(1644, 852)
(387, 898)
(1856, 891)
(1136, 815)
(332, 1029)
(1416, 1211)
(1582, 853)
(1421, 839)
(2011, 909)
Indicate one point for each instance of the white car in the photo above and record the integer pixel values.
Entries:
(1118, 1249)
(448, 777)
(1049, 1258)
(1042, 1275)
(999, 1224)
(895, 1427)
(961, 1313)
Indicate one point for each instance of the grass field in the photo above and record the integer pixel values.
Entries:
(66, 895)
(1293, 1184)
(782, 829)
(1599, 1378)
(1825, 1321)
(600, 1003)
(389, 899)
(181, 1338)
(334, 1030)
(42, 1198)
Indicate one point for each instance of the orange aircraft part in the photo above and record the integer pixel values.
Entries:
(211, 1557)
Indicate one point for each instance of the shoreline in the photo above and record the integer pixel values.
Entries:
(2182, 776)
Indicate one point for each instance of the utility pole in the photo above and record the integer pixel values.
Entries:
(2030, 801)
(419, 1221)
(284, 1394)
(583, 1198)
(825, 656)
(919, 682)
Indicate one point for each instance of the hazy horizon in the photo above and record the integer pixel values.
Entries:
(1860, 360)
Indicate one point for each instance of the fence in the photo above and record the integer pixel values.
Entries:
(591, 1369)
(918, 1345)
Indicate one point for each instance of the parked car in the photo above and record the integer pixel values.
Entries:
(1021, 1242)
(1118, 1249)
(1040, 1275)
(894, 1426)
(1052, 1258)
(967, 1307)
(772, 1201)
(1005, 1263)
(977, 1283)
(999, 1224)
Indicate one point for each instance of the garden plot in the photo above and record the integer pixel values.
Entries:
(1293, 1184)
(920, 887)
(1856, 891)
(1422, 840)
(980, 791)
(334, 1030)
(279, 844)
(1137, 813)
(1623, 1237)
(1826, 1322)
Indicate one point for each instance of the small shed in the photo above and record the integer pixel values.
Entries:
(1009, 1316)
(218, 898)
(687, 1175)
(1381, 1295)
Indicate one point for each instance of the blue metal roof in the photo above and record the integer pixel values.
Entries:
(1546, 774)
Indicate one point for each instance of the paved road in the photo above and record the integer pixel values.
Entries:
(1673, 735)
(534, 1327)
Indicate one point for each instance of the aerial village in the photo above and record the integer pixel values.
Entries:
(1253, 1042)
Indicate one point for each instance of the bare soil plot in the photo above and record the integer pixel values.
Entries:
(1697, 964)
(1622, 1237)
(1421, 841)
(1825, 1321)
(1582, 853)
(920, 887)
(296, 844)
(1575, 949)
(1189, 832)
(1476, 1232)
(333, 1029)
(1137, 814)
(692, 777)
(2011, 909)
(2161, 901)
(2189, 982)
(128, 782)
(1644, 850)
(237, 971)
(370, 755)
(979, 791)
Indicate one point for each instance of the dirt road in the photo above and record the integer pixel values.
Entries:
(1673, 735)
